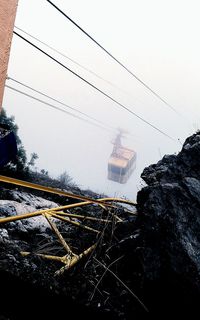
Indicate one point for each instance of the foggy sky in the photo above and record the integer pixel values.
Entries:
(157, 40)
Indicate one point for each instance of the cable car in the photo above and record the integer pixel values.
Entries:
(122, 162)
(8, 145)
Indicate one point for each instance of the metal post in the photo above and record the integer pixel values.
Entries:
(7, 18)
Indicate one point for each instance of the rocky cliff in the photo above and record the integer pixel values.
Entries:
(169, 218)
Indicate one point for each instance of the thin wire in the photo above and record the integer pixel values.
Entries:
(115, 59)
(72, 60)
(64, 104)
(75, 62)
(107, 127)
(94, 87)
(54, 107)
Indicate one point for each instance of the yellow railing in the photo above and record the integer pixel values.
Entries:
(57, 213)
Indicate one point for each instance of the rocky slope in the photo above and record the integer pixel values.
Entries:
(79, 285)
(149, 262)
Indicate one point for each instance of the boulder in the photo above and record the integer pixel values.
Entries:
(169, 219)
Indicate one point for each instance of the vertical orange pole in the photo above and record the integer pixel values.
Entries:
(8, 10)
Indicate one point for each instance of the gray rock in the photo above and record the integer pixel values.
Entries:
(3, 235)
(31, 200)
(169, 217)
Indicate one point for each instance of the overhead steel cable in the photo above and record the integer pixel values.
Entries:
(115, 59)
(72, 60)
(55, 107)
(106, 126)
(62, 103)
(94, 87)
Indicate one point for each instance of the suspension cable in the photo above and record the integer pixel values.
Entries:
(94, 87)
(115, 59)
(54, 107)
(62, 103)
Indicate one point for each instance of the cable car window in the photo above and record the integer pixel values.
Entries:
(117, 170)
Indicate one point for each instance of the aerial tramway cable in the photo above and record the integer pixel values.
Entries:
(72, 60)
(60, 102)
(115, 59)
(94, 87)
(55, 107)
(103, 125)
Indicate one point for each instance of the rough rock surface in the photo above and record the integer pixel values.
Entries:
(84, 290)
(152, 259)
(169, 218)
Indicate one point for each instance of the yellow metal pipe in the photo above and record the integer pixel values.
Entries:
(74, 223)
(20, 217)
(74, 205)
(40, 212)
(47, 189)
(74, 260)
(131, 203)
(81, 216)
(68, 261)
(60, 192)
(59, 235)
(46, 256)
